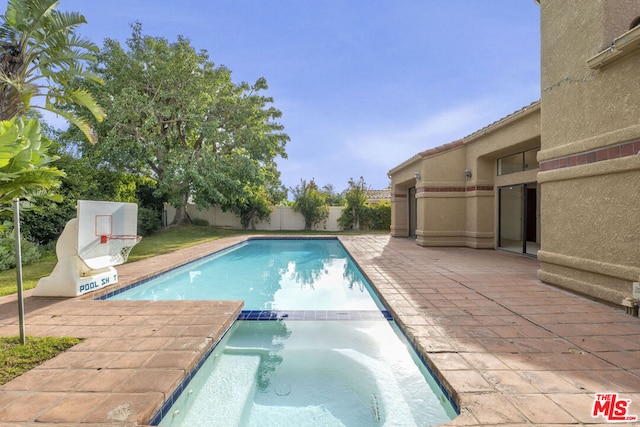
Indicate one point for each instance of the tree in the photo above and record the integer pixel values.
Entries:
(333, 198)
(177, 118)
(252, 208)
(354, 212)
(310, 202)
(40, 54)
(255, 203)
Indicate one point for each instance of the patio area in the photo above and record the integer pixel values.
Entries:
(509, 349)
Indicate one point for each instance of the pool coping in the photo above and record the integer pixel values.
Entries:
(510, 349)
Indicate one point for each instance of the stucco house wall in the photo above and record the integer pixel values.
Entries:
(454, 209)
(586, 127)
(590, 169)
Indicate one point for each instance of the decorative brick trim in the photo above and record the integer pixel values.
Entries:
(609, 153)
(398, 195)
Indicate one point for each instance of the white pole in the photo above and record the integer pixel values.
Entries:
(16, 222)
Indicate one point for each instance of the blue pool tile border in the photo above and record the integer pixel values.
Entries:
(168, 403)
(279, 315)
(155, 276)
(228, 248)
(433, 374)
(311, 315)
(314, 315)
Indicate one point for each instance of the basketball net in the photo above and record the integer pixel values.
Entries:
(120, 246)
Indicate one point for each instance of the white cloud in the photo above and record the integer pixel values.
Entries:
(386, 148)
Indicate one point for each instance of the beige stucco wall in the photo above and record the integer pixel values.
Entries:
(403, 179)
(516, 133)
(281, 218)
(454, 210)
(589, 220)
(442, 213)
(590, 213)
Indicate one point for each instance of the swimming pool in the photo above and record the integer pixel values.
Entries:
(311, 373)
(327, 353)
(268, 274)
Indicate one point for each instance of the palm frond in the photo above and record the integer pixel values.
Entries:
(79, 122)
(28, 183)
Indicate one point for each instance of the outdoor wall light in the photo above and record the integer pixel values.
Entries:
(467, 173)
(417, 176)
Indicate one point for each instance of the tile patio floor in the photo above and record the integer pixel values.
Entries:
(511, 350)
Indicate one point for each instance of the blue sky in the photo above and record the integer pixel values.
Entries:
(363, 85)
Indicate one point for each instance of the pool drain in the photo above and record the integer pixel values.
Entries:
(283, 389)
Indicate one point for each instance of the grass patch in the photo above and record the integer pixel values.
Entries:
(172, 238)
(166, 240)
(31, 273)
(16, 359)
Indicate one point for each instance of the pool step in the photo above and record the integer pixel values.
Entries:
(230, 387)
(263, 415)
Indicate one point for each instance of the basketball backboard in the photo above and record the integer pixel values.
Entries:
(97, 222)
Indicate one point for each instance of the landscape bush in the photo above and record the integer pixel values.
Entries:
(30, 251)
(149, 221)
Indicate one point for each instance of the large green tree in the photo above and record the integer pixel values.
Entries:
(176, 117)
(39, 56)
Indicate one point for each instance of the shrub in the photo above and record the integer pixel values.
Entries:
(200, 222)
(149, 221)
(354, 214)
(310, 202)
(379, 216)
(45, 225)
(30, 251)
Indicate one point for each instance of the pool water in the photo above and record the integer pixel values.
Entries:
(270, 274)
(328, 355)
(311, 373)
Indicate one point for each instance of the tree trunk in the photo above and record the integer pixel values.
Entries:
(182, 216)
(356, 220)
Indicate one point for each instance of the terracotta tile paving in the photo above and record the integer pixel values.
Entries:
(518, 352)
(511, 350)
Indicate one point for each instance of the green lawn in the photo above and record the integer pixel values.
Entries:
(31, 273)
(166, 240)
(16, 358)
(176, 237)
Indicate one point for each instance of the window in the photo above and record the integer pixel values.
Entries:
(531, 159)
(524, 161)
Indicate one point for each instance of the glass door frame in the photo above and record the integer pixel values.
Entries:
(525, 213)
(412, 220)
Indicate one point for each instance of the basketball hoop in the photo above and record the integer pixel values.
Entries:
(120, 246)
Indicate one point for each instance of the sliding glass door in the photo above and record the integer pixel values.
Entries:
(519, 218)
